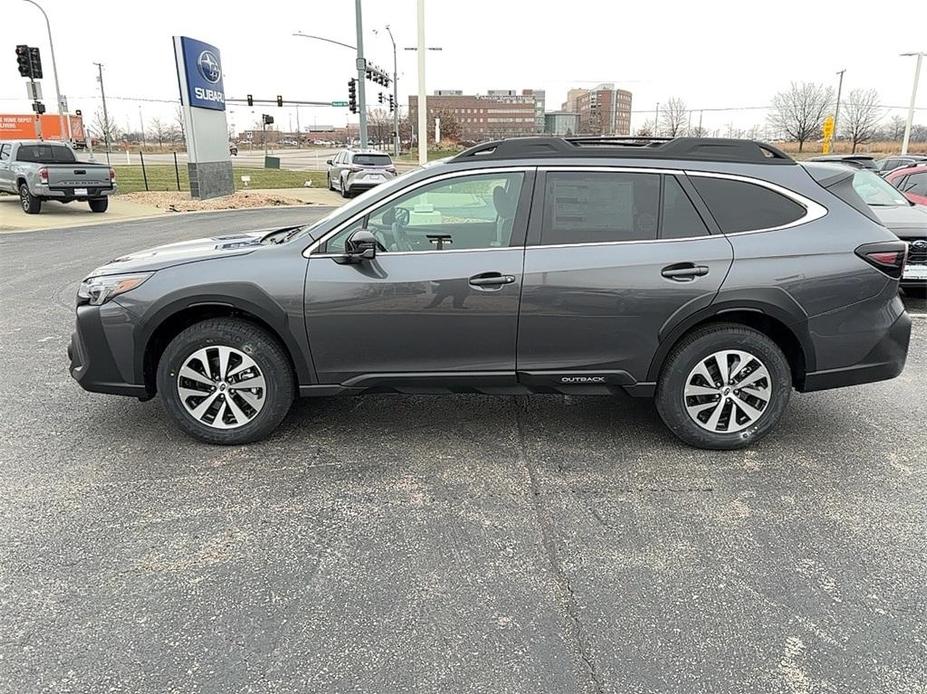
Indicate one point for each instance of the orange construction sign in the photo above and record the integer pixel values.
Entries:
(21, 126)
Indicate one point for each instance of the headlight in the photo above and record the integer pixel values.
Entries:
(99, 290)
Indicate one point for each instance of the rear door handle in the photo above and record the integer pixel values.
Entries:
(684, 272)
(491, 279)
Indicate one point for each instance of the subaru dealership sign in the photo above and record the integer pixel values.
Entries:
(203, 72)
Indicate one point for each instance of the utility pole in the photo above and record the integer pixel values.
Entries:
(422, 108)
(395, 95)
(656, 122)
(837, 109)
(917, 77)
(141, 124)
(105, 112)
(700, 114)
(361, 75)
(299, 137)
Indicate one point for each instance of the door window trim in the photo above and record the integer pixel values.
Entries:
(373, 209)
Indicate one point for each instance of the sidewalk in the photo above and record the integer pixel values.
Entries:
(56, 215)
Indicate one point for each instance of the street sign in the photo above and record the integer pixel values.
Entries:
(34, 91)
(339, 103)
(828, 127)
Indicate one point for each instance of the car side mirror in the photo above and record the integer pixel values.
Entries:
(360, 246)
(329, 162)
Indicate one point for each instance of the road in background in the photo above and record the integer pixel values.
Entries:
(459, 543)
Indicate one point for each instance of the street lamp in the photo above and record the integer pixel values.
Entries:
(422, 107)
(395, 93)
(917, 76)
(51, 47)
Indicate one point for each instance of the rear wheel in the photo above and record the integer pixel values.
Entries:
(226, 381)
(723, 387)
(30, 203)
(98, 204)
(331, 186)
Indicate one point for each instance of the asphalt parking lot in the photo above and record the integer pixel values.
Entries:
(455, 544)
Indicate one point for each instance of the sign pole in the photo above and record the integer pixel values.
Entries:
(361, 75)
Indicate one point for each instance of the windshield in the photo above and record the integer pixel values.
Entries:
(876, 191)
(46, 154)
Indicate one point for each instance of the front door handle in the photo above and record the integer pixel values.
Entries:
(491, 279)
(684, 272)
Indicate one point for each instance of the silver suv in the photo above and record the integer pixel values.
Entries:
(714, 276)
(353, 171)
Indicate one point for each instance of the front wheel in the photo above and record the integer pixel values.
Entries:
(723, 386)
(344, 188)
(226, 381)
(98, 204)
(30, 203)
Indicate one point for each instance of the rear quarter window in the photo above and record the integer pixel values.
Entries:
(741, 206)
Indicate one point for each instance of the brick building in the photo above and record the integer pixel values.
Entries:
(500, 113)
(602, 110)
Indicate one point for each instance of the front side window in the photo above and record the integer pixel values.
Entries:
(741, 206)
(600, 207)
(916, 184)
(461, 213)
(4, 152)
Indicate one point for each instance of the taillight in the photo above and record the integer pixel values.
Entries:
(43, 175)
(391, 169)
(889, 257)
(112, 174)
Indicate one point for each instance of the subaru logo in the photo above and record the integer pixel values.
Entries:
(920, 244)
(209, 68)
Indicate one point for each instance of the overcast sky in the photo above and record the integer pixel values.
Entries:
(711, 54)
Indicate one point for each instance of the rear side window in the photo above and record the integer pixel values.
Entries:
(598, 207)
(680, 218)
(372, 159)
(741, 206)
(45, 154)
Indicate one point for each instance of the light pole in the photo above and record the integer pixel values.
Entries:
(65, 134)
(105, 114)
(395, 94)
(837, 109)
(917, 76)
(422, 115)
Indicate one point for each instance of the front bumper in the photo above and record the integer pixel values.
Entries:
(884, 361)
(93, 363)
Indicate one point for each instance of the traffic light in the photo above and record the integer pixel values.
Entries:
(392, 104)
(77, 112)
(352, 95)
(250, 100)
(267, 120)
(22, 61)
(369, 73)
(380, 97)
(279, 100)
(38, 107)
(36, 59)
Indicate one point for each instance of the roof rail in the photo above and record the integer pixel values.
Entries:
(617, 147)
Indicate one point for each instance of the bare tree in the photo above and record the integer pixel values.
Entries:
(896, 127)
(646, 129)
(674, 117)
(159, 130)
(698, 131)
(380, 123)
(104, 129)
(178, 121)
(861, 116)
(450, 127)
(799, 112)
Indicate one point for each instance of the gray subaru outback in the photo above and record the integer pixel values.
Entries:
(711, 275)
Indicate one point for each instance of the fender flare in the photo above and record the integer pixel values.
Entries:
(772, 302)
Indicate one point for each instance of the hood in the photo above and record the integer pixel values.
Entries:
(170, 254)
(905, 220)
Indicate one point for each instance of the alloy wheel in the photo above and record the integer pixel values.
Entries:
(727, 391)
(221, 387)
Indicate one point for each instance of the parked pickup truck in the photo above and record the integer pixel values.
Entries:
(39, 171)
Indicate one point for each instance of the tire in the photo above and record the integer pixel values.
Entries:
(98, 204)
(746, 414)
(344, 189)
(30, 203)
(245, 341)
(331, 186)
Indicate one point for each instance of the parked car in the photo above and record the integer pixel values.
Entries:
(233, 149)
(712, 275)
(38, 171)
(860, 161)
(907, 220)
(895, 162)
(911, 181)
(351, 171)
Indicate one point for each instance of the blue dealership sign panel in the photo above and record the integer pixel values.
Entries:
(202, 97)
(203, 70)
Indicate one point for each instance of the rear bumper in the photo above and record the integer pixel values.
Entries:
(885, 360)
(44, 191)
(93, 364)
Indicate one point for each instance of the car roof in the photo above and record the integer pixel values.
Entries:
(919, 167)
(828, 173)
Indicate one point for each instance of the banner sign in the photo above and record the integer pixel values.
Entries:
(203, 70)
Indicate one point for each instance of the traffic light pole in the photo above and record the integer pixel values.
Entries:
(65, 130)
(105, 112)
(361, 75)
(395, 96)
(35, 107)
